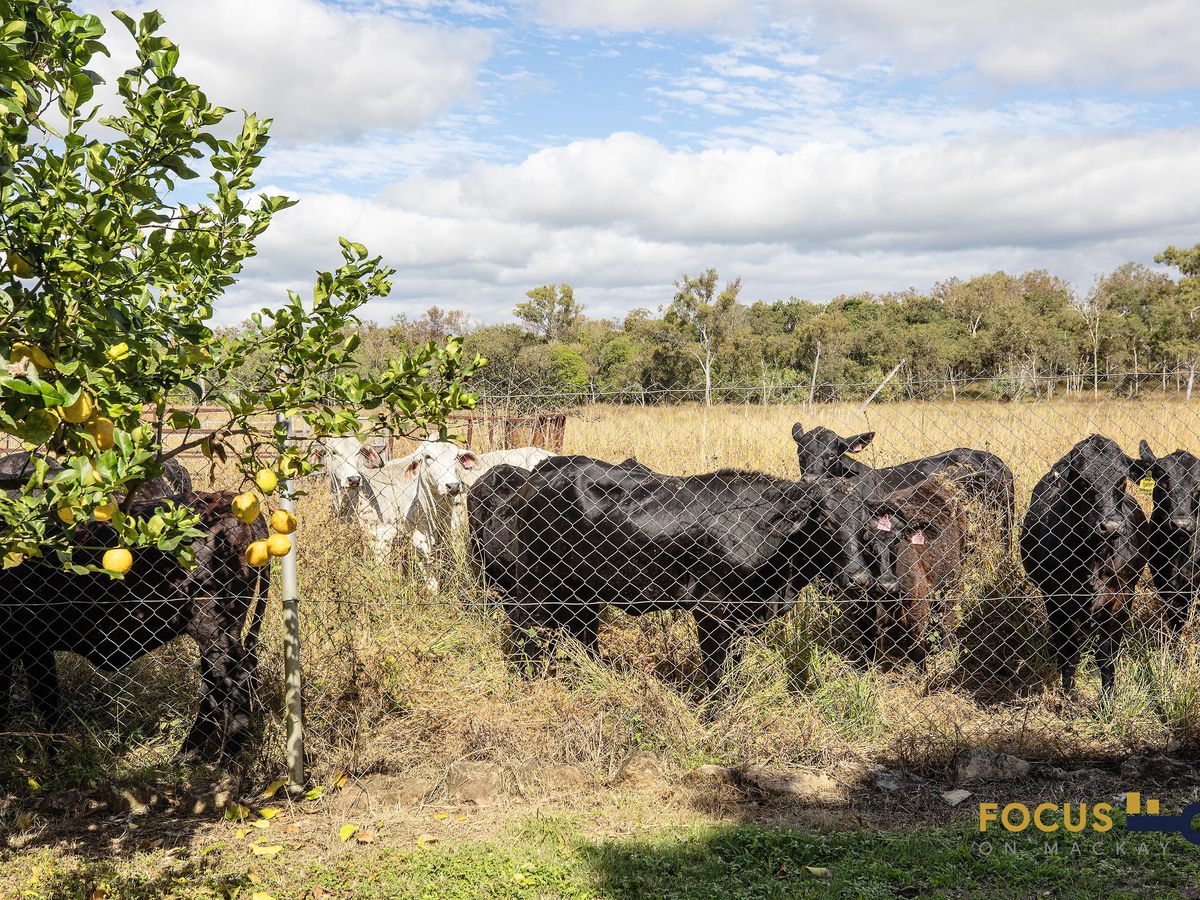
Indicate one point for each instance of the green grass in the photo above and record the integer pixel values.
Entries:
(552, 858)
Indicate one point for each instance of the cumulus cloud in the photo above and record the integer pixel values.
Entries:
(320, 70)
(620, 217)
(1072, 43)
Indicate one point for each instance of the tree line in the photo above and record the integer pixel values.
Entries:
(997, 335)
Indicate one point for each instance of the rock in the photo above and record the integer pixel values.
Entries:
(556, 776)
(989, 765)
(956, 796)
(888, 781)
(1054, 773)
(710, 773)
(205, 799)
(382, 792)
(1151, 766)
(640, 769)
(474, 782)
(64, 803)
(807, 786)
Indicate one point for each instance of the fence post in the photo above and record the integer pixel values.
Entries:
(293, 696)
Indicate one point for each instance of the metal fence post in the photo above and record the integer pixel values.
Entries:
(293, 691)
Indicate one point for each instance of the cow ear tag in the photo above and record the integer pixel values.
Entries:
(918, 537)
(1146, 484)
(884, 523)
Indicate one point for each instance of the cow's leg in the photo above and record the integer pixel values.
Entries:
(717, 653)
(1110, 628)
(41, 674)
(1065, 637)
(226, 716)
(424, 545)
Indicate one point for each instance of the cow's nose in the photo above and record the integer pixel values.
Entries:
(890, 585)
(808, 479)
(1183, 523)
(1110, 526)
(454, 487)
(354, 480)
(861, 578)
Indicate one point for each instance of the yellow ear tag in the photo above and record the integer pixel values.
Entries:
(1146, 484)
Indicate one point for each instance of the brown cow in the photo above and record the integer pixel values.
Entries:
(922, 540)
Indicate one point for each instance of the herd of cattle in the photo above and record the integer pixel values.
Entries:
(559, 538)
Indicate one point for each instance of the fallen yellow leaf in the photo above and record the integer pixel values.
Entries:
(261, 895)
(819, 871)
(274, 788)
(365, 837)
(340, 778)
(442, 815)
(268, 850)
(236, 812)
(346, 832)
(268, 813)
(425, 840)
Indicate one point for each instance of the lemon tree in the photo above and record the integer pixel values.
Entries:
(108, 284)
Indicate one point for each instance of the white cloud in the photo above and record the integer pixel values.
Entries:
(642, 15)
(620, 218)
(321, 71)
(1149, 45)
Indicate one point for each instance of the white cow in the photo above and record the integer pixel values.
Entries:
(349, 463)
(422, 495)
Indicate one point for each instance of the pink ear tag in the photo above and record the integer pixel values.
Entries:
(918, 537)
(884, 523)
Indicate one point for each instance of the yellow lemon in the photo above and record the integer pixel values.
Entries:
(117, 351)
(79, 411)
(21, 350)
(279, 545)
(104, 513)
(118, 559)
(21, 267)
(92, 476)
(283, 521)
(257, 554)
(65, 514)
(245, 507)
(101, 428)
(266, 481)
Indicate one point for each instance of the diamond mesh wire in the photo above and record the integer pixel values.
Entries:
(762, 579)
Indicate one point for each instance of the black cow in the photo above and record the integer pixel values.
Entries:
(113, 622)
(491, 512)
(980, 474)
(174, 481)
(1083, 545)
(1173, 550)
(733, 547)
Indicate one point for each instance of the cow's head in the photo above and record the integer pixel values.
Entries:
(346, 459)
(441, 465)
(1176, 487)
(820, 450)
(1094, 475)
(849, 526)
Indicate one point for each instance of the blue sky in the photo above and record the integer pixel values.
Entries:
(811, 147)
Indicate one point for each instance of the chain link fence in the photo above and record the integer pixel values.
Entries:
(760, 580)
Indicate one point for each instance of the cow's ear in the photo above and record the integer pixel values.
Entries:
(467, 459)
(797, 432)
(411, 470)
(1146, 454)
(858, 442)
(1139, 468)
(371, 457)
(317, 452)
